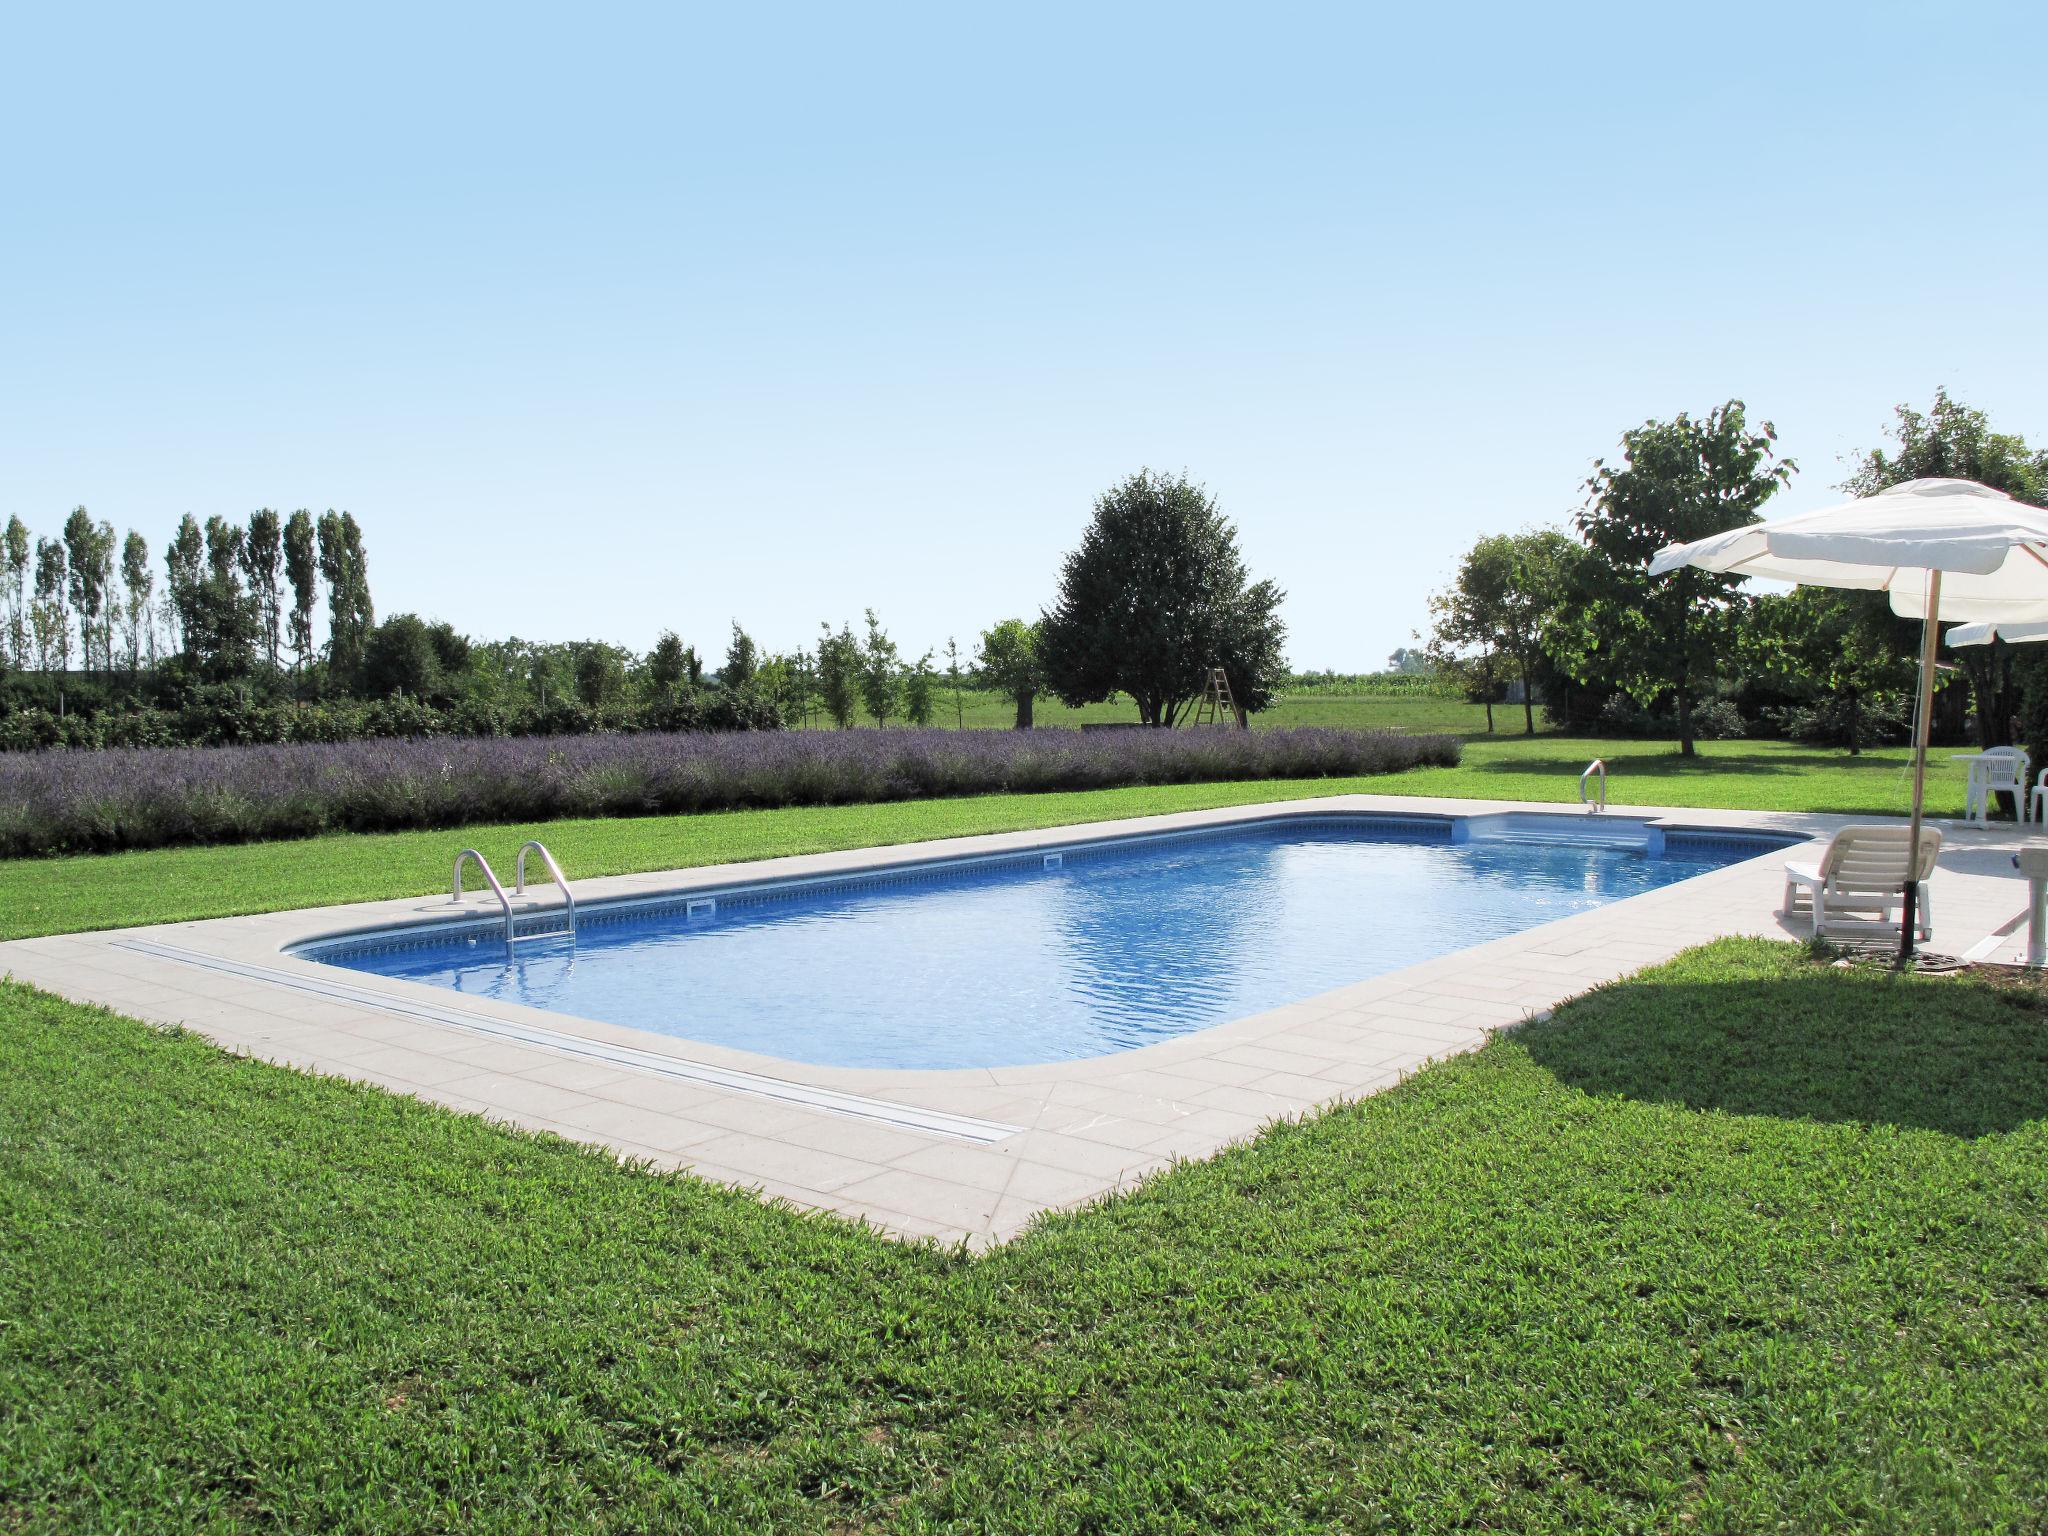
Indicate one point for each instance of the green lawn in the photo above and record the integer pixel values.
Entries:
(1746, 1243)
(1359, 711)
(39, 896)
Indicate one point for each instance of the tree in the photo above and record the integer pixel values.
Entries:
(953, 681)
(1953, 441)
(880, 673)
(1831, 642)
(839, 668)
(1156, 595)
(17, 552)
(47, 615)
(302, 575)
(600, 673)
(262, 552)
(667, 664)
(740, 659)
(399, 657)
(89, 552)
(917, 691)
(137, 584)
(349, 612)
(1410, 663)
(1508, 590)
(221, 627)
(184, 572)
(800, 689)
(1008, 663)
(1680, 480)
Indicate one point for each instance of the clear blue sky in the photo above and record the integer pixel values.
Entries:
(608, 320)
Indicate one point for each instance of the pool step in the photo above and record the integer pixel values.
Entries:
(1563, 830)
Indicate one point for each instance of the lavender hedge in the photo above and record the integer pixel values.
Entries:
(86, 802)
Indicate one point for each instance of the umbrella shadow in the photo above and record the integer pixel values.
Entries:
(1809, 1048)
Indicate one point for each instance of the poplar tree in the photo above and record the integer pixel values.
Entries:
(349, 614)
(17, 550)
(261, 555)
(89, 557)
(135, 610)
(302, 574)
(48, 617)
(184, 571)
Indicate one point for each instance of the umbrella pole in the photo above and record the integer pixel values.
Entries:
(1930, 634)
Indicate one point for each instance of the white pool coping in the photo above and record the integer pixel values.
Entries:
(970, 1154)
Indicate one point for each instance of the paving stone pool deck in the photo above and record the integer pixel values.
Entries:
(963, 1155)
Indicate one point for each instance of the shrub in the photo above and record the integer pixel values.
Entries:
(55, 802)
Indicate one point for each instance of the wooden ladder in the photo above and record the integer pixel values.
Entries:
(1218, 705)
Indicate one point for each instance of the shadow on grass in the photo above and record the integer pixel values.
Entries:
(1813, 1043)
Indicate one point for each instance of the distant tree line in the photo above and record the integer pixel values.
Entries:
(1578, 623)
(228, 646)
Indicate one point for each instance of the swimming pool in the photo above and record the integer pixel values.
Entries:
(1053, 954)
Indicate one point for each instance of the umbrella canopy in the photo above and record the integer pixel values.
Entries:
(1984, 634)
(1942, 549)
(1992, 551)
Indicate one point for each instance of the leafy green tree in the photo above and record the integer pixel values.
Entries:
(137, 587)
(600, 673)
(919, 684)
(302, 575)
(185, 573)
(798, 691)
(1679, 480)
(1155, 596)
(47, 616)
(953, 680)
(1831, 643)
(262, 563)
(89, 553)
(668, 664)
(222, 624)
(1954, 441)
(17, 552)
(881, 680)
(839, 673)
(349, 611)
(740, 659)
(1509, 590)
(1008, 663)
(399, 657)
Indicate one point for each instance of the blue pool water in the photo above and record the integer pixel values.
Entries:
(1010, 963)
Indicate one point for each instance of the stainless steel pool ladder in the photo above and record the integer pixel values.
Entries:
(554, 870)
(1599, 766)
(512, 934)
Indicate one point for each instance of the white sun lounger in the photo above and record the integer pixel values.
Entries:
(1860, 880)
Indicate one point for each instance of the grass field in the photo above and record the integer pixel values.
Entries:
(1743, 1244)
(39, 896)
(1360, 711)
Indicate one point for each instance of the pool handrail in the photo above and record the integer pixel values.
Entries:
(554, 869)
(483, 864)
(1598, 765)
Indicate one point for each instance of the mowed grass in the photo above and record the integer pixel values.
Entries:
(42, 896)
(1359, 711)
(1746, 1243)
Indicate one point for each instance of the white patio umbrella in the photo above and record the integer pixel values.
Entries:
(1941, 549)
(1984, 634)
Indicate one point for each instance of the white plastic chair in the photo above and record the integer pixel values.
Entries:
(1998, 769)
(1860, 879)
(2038, 800)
